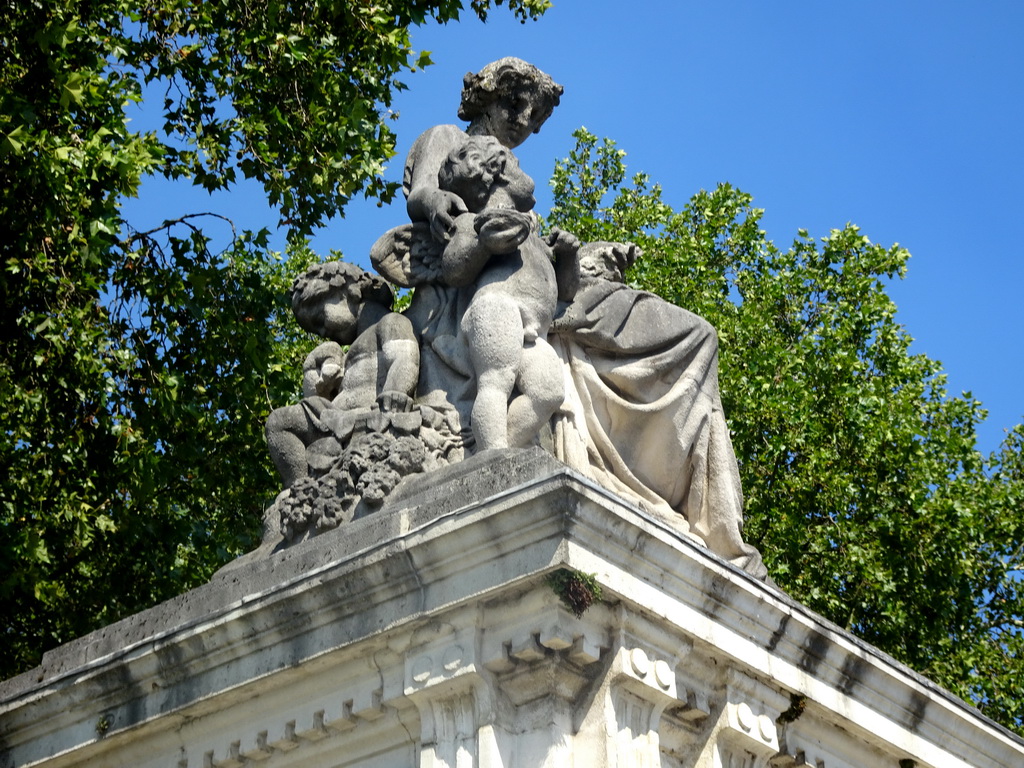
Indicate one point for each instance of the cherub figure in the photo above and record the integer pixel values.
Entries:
(346, 305)
(494, 246)
(507, 100)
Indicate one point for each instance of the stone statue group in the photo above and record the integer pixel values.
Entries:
(513, 338)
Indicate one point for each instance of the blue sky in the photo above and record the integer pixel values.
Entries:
(904, 118)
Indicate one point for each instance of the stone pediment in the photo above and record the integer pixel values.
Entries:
(430, 634)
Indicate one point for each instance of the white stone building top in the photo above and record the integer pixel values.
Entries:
(428, 635)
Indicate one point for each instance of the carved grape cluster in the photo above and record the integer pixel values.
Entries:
(367, 470)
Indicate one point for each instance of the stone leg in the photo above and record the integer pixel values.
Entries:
(542, 390)
(493, 327)
(289, 431)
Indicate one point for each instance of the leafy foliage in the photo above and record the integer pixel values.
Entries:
(138, 368)
(864, 490)
(577, 590)
(291, 94)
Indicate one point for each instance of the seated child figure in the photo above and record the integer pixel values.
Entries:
(495, 247)
(346, 305)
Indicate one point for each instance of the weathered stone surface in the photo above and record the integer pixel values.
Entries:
(445, 646)
(342, 394)
(643, 415)
(513, 340)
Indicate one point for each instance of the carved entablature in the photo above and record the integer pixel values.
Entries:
(520, 681)
(460, 642)
(748, 735)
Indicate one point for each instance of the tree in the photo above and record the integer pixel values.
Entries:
(138, 367)
(864, 490)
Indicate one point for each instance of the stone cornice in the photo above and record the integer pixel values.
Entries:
(463, 559)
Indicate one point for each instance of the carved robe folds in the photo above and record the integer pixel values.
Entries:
(643, 414)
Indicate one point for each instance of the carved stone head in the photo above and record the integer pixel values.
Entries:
(473, 168)
(508, 99)
(328, 297)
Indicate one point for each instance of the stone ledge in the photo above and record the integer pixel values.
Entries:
(256, 576)
(438, 559)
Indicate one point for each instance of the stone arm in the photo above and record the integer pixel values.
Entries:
(465, 255)
(322, 371)
(477, 237)
(425, 201)
(565, 246)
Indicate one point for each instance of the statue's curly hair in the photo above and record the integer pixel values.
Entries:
(488, 146)
(487, 86)
(333, 278)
